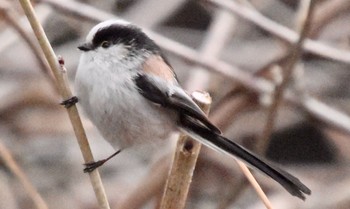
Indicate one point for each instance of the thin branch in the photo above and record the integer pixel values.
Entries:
(255, 185)
(284, 33)
(6, 155)
(184, 162)
(63, 87)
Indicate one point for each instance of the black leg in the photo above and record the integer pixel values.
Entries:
(89, 167)
(69, 102)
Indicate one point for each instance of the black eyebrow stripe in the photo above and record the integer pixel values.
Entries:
(126, 34)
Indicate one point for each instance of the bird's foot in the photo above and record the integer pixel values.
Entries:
(70, 102)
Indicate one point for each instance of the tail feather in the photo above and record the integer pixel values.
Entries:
(214, 140)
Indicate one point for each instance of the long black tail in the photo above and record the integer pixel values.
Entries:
(220, 143)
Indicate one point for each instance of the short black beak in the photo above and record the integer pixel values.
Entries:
(85, 47)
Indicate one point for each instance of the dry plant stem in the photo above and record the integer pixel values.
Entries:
(184, 162)
(247, 173)
(255, 185)
(282, 32)
(12, 19)
(295, 54)
(17, 171)
(180, 177)
(63, 87)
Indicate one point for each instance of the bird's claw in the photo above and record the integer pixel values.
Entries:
(89, 167)
(69, 102)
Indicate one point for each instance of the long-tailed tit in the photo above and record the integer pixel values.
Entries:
(131, 93)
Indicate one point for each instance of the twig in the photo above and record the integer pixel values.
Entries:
(306, 13)
(255, 185)
(184, 162)
(17, 171)
(63, 87)
(284, 33)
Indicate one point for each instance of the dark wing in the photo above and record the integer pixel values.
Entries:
(158, 92)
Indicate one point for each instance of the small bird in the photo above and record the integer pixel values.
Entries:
(130, 92)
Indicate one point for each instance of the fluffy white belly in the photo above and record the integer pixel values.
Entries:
(122, 115)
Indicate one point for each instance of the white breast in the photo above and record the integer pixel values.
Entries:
(111, 100)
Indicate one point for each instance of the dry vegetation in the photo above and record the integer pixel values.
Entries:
(277, 71)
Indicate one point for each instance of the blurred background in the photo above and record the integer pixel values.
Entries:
(239, 51)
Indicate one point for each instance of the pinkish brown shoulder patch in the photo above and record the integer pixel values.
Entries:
(155, 65)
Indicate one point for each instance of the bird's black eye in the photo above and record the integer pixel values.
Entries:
(105, 44)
